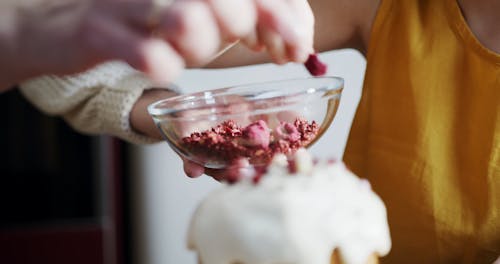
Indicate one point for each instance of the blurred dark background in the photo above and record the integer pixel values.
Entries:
(61, 193)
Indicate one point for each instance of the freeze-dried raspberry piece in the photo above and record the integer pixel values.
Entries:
(315, 66)
(256, 134)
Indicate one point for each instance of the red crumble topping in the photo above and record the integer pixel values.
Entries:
(288, 132)
(256, 134)
(292, 166)
(259, 172)
(315, 66)
(256, 179)
(229, 142)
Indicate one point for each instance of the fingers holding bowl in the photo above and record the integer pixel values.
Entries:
(192, 169)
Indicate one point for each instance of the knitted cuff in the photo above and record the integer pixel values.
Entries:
(98, 101)
(112, 106)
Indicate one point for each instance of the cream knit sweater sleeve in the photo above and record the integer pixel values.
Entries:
(97, 101)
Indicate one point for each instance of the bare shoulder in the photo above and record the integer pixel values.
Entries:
(343, 23)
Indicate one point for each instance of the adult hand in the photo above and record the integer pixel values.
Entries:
(62, 37)
(198, 29)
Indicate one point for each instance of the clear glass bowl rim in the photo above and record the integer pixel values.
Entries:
(153, 110)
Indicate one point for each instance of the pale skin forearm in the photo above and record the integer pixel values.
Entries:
(140, 119)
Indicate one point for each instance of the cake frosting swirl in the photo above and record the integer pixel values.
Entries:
(299, 212)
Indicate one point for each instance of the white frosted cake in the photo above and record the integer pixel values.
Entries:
(299, 212)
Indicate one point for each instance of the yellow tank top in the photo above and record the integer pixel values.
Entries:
(427, 133)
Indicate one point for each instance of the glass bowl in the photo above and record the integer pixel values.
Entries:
(218, 127)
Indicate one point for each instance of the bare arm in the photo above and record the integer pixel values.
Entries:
(140, 120)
